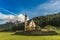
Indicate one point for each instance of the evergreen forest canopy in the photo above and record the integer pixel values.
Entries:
(53, 20)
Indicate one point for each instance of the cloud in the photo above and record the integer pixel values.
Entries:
(3, 22)
(50, 7)
(21, 18)
(6, 11)
(47, 8)
(6, 18)
(12, 18)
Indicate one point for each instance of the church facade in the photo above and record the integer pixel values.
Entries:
(31, 24)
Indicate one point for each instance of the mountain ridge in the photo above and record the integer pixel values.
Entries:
(41, 21)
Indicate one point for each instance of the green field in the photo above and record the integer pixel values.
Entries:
(10, 36)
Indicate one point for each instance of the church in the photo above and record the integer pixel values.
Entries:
(31, 24)
(31, 28)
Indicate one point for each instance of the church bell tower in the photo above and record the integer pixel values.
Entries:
(25, 21)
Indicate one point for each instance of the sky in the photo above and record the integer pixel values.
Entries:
(10, 9)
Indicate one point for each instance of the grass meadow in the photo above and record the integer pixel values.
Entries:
(10, 36)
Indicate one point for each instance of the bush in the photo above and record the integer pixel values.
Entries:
(50, 28)
(38, 28)
(28, 28)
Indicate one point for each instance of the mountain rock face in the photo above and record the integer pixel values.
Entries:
(20, 19)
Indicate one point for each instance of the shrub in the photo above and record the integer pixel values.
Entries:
(28, 28)
(50, 28)
(38, 28)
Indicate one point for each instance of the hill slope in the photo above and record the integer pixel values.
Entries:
(48, 20)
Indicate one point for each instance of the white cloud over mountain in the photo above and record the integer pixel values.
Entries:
(51, 7)
(21, 17)
(12, 18)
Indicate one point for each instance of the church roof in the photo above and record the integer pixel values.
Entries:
(32, 24)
